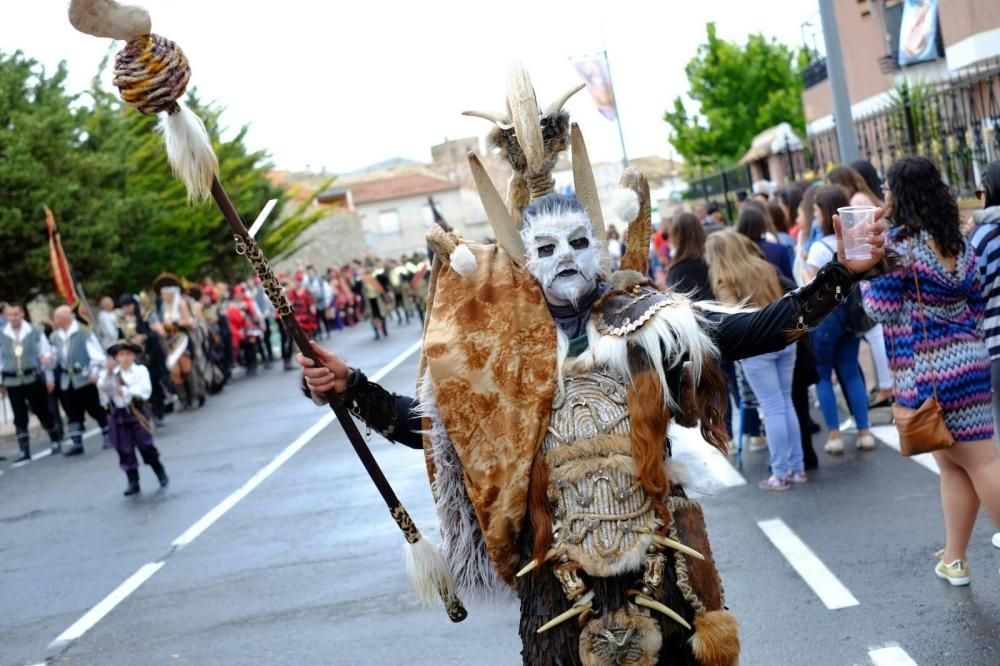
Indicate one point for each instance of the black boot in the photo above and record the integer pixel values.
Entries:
(76, 436)
(161, 473)
(133, 482)
(25, 446)
(56, 437)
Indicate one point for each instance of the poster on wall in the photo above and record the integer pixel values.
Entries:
(918, 32)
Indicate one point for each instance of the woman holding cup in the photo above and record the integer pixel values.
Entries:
(835, 342)
(952, 357)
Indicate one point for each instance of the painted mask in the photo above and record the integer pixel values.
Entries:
(562, 253)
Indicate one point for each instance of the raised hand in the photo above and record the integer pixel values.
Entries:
(875, 240)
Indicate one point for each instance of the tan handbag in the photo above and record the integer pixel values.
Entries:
(923, 429)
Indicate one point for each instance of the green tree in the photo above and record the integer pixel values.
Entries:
(101, 167)
(740, 91)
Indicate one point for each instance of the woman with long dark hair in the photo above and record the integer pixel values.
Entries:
(688, 272)
(753, 223)
(836, 344)
(952, 360)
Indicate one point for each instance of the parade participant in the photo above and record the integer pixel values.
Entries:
(398, 281)
(80, 358)
(26, 372)
(107, 323)
(265, 312)
(132, 326)
(543, 406)
(126, 385)
(373, 292)
(174, 315)
(303, 305)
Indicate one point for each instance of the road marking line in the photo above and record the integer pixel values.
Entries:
(220, 509)
(106, 605)
(95, 614)
(37, 456)
(891, 655)
(890, 436)
(812, 570)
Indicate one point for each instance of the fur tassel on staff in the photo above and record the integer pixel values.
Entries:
(152, 73)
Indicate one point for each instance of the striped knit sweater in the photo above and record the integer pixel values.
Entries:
(986, 243)
(954, 354)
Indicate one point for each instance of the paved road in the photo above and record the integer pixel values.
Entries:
(302, 564)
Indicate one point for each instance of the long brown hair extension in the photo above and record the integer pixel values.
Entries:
(649, 418)
(538, 506)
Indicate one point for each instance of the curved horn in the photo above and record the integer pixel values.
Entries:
(522, 107)
(496, 118)
(503, 224)
(641, 229)
(107, 18)
(557, 105)
(586, 189)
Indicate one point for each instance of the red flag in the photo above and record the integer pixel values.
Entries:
(60, 267)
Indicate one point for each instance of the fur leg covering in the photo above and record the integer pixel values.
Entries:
(716, 640)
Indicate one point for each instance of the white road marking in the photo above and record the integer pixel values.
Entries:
(891, 655)
(890, 436)
(37, 456)
(220, 509)
(812, 570)
(107, 604)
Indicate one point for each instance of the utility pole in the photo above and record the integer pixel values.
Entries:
(847, 141)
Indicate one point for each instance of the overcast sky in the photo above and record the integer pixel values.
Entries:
(342, 85)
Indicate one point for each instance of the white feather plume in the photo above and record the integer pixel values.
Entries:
(625, 205)
(462, 260)
(190, 153)
(428, 571)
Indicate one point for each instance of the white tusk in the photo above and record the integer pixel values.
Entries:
(552, 554)
(677, 545)
(496, 118)
(643, 600)
(560, 101)
(582, 606)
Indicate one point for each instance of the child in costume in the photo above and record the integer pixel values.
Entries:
(126, 386)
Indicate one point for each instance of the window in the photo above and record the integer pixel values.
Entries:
(388, 222)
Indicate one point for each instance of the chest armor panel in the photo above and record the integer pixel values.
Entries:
(601, 514)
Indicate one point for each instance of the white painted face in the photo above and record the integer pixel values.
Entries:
(563, 256)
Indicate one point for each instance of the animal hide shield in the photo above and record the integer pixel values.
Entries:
(490, 356)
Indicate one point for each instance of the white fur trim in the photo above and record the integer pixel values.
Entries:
(462, 537)
(428, 571)
(625, 205)
(678, 328)
(462, 260)
(189, 151)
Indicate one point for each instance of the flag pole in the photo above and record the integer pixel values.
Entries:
(618, 111)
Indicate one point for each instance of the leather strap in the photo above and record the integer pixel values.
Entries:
(923, 325)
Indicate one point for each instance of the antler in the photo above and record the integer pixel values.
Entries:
(498, 119)
(557, 105)
(107, 18)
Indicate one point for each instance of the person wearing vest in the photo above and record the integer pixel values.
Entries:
(126, 386)
(80, 358)
(25, 370)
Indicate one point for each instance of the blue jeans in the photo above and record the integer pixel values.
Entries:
(837, 348)
(770, 377)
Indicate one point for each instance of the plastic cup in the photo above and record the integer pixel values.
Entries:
(853, 221)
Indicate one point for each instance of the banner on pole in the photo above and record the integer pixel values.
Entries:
(918, 32)
(594, 71)
(60, 267)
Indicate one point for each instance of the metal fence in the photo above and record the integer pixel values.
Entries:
(721, 187)
(954, 122)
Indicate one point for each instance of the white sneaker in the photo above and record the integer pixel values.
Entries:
(996, 540)
(866, 443)
(834, 447)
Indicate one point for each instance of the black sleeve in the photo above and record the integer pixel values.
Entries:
(393, 416)
(745, 334)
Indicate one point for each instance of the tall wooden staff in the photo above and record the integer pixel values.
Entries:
(151, 74)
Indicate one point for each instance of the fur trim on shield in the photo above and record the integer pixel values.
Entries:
(462, 537)
(463, 261)
(716, 639)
